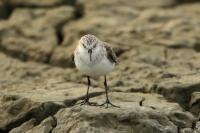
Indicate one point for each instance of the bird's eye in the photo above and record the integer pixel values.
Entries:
(83, 45)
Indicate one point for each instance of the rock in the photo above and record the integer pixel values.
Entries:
(37, 3)
(182, 119)
(117, 120)
(197, 127)
(165, 28)
(23, 39)
(18, 111)
(156, 82)
(124, 5)
(178, 88)
(24, 127)
(46, 126)
(62, 56)
(91, 25)
(186, 1)
(20, 106)
(125, 119)
(67, 95)
(186, 130)
(195, 103)
(4, 11)
(140, 103)
(15, 111)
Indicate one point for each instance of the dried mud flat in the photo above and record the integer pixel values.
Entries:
(157, 82)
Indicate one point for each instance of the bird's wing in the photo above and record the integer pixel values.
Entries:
(110, 53)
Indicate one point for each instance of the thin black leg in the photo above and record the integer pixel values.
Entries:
(86, 100)
(107, 99)
(89, 83)
(106, 88)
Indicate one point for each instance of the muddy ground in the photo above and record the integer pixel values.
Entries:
(156, 83)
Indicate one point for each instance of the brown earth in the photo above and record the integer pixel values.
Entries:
(156, 84)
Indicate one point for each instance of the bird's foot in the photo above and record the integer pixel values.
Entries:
(107, 103)
(87, 102)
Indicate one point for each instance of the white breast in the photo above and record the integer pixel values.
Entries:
(99, 66)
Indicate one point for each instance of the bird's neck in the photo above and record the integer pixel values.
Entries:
(97, 55)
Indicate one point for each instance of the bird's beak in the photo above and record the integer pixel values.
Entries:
(90, 52)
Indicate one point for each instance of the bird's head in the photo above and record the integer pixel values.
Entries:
(89, 43)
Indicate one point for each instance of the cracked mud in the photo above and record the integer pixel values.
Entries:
(156, 84)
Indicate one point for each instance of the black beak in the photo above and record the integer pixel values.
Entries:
(90, 52)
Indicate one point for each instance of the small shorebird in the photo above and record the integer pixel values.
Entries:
(94, 58)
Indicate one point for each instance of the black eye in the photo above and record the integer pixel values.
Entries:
(83, 45)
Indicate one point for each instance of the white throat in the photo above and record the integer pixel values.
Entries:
(96, 55)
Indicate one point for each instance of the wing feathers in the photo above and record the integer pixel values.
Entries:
(110, 53)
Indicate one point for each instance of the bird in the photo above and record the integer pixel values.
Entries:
(94, 58)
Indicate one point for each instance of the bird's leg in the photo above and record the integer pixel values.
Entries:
(86, 100)
(107, 99)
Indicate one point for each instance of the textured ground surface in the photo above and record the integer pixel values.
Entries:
(156, 84)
